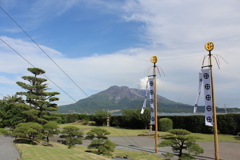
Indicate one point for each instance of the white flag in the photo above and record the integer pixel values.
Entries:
(208, 97)
(145, 100)
(151, 93)
(199, 92)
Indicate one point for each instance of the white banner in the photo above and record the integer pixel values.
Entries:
(145, 100)
(208, 97)
(199, 92)
(151, 93)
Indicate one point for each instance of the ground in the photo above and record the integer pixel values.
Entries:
(227, 150)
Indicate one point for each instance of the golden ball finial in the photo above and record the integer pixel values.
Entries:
(209, 46)
(153, 59)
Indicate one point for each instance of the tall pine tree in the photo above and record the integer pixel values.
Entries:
(37, 97)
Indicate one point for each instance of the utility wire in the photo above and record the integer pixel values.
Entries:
(35, 67)
(49, 58)
(43, 50)
(63, 90)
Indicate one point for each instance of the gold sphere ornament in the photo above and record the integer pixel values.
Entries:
(209, 46)
(153, 59)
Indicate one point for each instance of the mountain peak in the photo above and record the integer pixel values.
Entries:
(117, 98)
(116, 93)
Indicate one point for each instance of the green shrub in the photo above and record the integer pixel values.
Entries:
(165, 124)
(3, 131)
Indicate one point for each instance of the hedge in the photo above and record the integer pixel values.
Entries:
(227, 123)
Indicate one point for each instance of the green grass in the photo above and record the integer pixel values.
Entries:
(221, 137)
(115, 131)
(60, 152)
(210, 137)
(79, 125)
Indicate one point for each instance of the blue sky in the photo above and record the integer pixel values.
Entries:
(100, 43)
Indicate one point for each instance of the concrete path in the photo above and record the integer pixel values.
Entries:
(7, 149)
(227, 150)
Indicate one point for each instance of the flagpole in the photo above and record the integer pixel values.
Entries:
(153, 59)
(209, 47)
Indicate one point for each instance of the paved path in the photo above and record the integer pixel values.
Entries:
(227, 150)
(7, 149)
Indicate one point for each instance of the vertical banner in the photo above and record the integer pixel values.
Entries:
(208, 97)
(199, 92)
(151, 94)
(145, 100)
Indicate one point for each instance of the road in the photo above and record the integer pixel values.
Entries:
(7, 149)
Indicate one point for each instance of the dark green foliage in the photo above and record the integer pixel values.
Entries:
(181, 140)
(70, 118)
(50, 128)
(11, 111)
(3, 131)
(227, 124)
(100, 141)
(30, 130)
(100, 117)
(134, 119)
(41, 102)
(72, 136)
(116, 121)
(165, 124)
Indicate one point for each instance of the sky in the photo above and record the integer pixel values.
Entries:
(101, 43)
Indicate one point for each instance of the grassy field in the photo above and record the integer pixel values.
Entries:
(221, 137)
(60, 152)
(115, 131)
(135, 132)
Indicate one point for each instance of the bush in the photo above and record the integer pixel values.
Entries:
(100, 141)
(165, 124)
(72, 136)
(3, 131)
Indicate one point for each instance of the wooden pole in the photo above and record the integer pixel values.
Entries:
(155, 108)
(214, 111)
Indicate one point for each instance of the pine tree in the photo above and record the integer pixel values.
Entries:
(36, 96)
(11, 111)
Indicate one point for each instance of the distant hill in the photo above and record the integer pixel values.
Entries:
(116, 99)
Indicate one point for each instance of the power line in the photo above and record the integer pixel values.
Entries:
(43, 50)
(63, 90)
(35, 67)
(51, 60)
(48, 57)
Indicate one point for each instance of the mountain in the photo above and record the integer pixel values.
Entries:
(116, 99)
(120, 98)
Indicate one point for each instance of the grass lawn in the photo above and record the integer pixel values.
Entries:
(60, 152)
(221, 137)
(30, 152)
(115, 131)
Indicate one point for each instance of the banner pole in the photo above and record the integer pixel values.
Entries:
(154, 61)
(156, 109)
(214, 111)
(209, 46)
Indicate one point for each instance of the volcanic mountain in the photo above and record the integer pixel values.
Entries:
(118, 98)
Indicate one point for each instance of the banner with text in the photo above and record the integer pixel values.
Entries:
(151, 95)
(208, 97)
